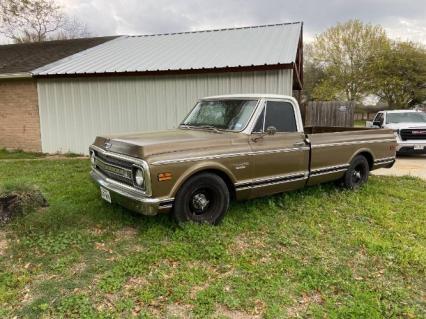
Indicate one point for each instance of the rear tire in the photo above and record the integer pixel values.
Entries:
(204, 198)
(357, 173)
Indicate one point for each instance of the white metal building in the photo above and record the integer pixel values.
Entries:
(143, 83)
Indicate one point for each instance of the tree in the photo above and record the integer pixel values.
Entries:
(34, 21)
(342, 53)
(398, 74)
(312, 73)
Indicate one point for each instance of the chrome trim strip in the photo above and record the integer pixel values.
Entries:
(384, 159)
(329, 172)
(352, 143)
(282, 150)
(145, 166)
(383, 163)
(230, 155)
(270, 179)
(328, 168)
(271, 184)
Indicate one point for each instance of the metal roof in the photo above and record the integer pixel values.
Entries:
(225, 48)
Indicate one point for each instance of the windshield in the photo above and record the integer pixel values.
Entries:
(230, 115)
(408, 117)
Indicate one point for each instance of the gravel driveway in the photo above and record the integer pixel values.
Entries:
(406, 165)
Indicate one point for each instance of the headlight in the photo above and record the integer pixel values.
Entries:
(139, 177)
(396, 133)
(93, 158)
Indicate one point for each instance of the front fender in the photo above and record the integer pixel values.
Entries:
(198, 168)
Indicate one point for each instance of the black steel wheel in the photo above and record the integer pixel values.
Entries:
(357, 173)
(204, 198)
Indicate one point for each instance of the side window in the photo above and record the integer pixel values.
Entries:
(258, 128)
(281, 116)
(379, 118)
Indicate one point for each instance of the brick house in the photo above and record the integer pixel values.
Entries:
(19, 113)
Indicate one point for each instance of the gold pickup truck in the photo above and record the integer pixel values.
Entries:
(232, 147)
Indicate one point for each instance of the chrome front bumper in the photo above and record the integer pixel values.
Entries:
(130, 197)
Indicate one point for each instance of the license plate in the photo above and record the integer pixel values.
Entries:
(418, 147)
(106, 195)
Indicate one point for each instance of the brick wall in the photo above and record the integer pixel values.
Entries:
(19, 118)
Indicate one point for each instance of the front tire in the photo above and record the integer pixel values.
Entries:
(357, 173)
(204, 198)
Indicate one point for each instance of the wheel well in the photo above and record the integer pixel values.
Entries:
(225, 177)
(369, 158)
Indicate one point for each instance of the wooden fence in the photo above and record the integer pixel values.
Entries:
(333, 113)
(364, 116)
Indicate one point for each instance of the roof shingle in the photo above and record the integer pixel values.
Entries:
(26, 57)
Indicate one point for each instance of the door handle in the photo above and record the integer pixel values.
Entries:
(299, 144)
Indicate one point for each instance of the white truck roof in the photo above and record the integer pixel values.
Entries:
(249, 95)
(401, 111)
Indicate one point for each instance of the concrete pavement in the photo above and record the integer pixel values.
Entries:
(414, 165)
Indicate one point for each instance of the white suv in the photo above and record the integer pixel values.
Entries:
(409, 127)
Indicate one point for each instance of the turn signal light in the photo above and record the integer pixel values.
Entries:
(164, 177)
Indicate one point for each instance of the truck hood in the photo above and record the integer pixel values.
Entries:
(398, 126)
(143, 145)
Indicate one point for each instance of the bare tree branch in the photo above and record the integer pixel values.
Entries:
(36, 21)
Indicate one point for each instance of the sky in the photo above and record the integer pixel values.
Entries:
(402, 19)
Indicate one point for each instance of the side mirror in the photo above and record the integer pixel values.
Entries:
(271, 130)
(377, 123)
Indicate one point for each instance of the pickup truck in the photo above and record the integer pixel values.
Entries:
(232, 147)
(409, 127)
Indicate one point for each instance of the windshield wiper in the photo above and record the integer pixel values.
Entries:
(208, 127)
(186, 126)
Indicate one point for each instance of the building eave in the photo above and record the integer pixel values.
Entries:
(19, 75)
(253, 68)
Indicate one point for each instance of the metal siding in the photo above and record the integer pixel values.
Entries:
(74, 111)
(251, 46)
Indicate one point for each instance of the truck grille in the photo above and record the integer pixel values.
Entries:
(413, 134)
(115, 169)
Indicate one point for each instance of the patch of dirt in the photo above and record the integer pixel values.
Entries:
(103, 247)
(303, 304)
(96, 231)
(133, 283)
(78, 268)
(126, 233)
(27, 297)
(234, 314)
(196, 289)
(243, 243)
(178, 311)
(15, 203)
(3, 243)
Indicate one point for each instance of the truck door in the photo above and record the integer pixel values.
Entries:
(281, 160)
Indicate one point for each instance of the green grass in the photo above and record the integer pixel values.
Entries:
(359, 123)
(18, 154)
(320, 252)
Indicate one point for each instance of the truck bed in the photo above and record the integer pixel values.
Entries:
(332, 149)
